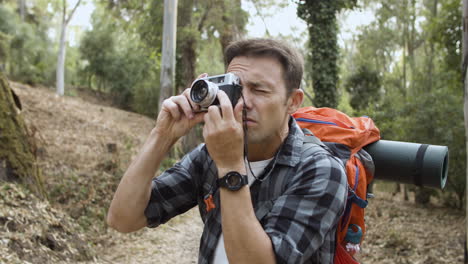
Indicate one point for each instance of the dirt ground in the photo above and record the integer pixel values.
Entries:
(398, 232)
(83, 149)
(175, 242)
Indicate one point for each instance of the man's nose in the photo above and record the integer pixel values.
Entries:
(247, 97)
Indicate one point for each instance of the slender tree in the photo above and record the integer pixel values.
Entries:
(168, 51)
(465, 108)
(430, 54)
(60, 78)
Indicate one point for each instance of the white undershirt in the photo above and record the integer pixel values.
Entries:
(257, 167)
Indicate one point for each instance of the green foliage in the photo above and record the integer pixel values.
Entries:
(131, 67)
(148, 23)
(446, 32)
(320, 16)
(4, 51)
(424, 119)
(200, 25)
(420, 78)
(364, 87)
(210, 57)
(97, 56)
(440, 130)
(128, 65)
(123, 67)
(25, 48)
(7, 20)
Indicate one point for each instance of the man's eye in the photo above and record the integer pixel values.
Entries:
(260, 91)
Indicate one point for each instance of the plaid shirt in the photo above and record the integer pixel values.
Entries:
(299, 204)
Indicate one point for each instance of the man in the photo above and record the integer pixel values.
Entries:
(290, 208)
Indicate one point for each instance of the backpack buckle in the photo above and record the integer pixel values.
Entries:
(209, 202)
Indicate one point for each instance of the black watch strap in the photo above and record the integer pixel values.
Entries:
(233, 181)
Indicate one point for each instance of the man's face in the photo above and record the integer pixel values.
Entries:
(265, 98)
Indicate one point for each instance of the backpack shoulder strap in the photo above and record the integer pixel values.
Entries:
(311, 143)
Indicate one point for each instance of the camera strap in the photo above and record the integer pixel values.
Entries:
(246, 148)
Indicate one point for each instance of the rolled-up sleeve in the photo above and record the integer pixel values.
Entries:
(304, 219)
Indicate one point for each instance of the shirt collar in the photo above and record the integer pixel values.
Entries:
(290, 151)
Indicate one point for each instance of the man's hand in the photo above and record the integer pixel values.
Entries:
(176, 118)
(224, 135)
(177, 115)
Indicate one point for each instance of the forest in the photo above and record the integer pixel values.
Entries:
(77, 103)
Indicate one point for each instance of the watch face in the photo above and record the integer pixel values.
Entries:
(233, 180)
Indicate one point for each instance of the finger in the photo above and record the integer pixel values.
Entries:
(203, 75)
(226, 105)
(193, 105)
(214, 117)
(199, 117)
(238, 110)
(184, 104)
(205, 132)
(172, 108)
(208, 122)
(214, 112)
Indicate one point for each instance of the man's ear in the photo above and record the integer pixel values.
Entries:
(295, 100)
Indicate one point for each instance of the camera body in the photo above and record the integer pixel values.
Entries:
(204, 90)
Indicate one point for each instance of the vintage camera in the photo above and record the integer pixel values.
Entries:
(204, 90)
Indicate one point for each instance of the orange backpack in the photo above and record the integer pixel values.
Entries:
(345, 137)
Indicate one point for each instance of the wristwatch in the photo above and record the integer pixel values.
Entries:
(233, 181)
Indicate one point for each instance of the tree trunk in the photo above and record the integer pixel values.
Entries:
(193, 138)
(17, 162)
(186, 45)
(60, 74)
(431, 49)
(61, 60)
(405, 41)
(22, 9)
(465, 108)
(324, 53)
(230, 30)
(4, 53)
(422, 194)
(465, 111)
(168, 51)
(411, 45)
(186, 60)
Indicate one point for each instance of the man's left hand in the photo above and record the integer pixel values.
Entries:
(224, 135)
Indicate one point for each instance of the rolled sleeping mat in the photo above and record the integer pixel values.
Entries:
(413, 163)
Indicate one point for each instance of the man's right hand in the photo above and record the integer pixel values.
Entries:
(178, 116)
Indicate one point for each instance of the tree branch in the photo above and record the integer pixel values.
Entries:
(201, 23)
(64, 13)
(262, 17)
(72, 12)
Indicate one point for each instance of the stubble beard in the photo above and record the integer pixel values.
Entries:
(253, 137)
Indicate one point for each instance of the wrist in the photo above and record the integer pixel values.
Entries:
(162, 140)
(239, 167)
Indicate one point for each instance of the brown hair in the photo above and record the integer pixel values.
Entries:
(290, 59)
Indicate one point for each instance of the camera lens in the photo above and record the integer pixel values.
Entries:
(199, 91)
(203, 92)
